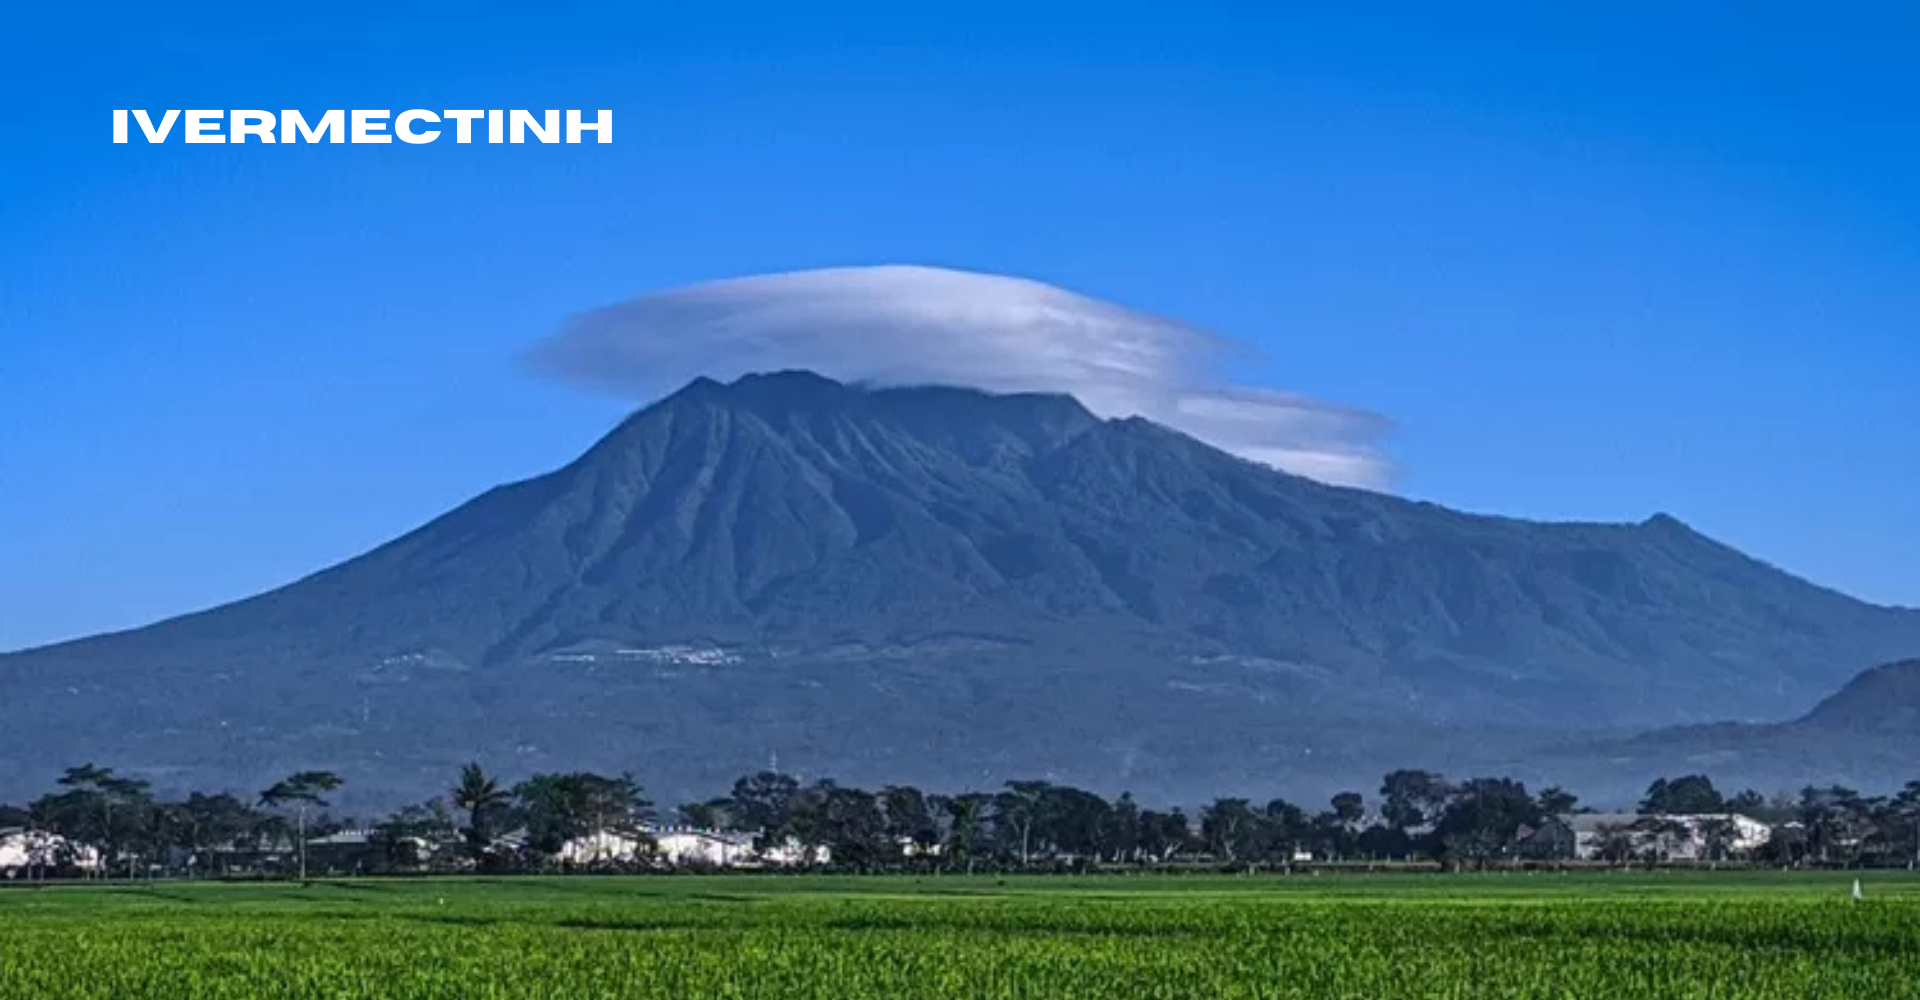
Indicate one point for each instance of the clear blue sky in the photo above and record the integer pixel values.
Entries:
(1594, 265)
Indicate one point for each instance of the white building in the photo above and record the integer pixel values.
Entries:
(607, 847)
(694, 847)
(911, 848)
(1666, 838)
(791, 852)
(24, 852)
(686, 847)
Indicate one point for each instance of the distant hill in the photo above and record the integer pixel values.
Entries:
(946, 586)
(1884, 701)
(1863, 736)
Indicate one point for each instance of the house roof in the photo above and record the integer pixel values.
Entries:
(735, 838)
(345, 838)
(1595, 822)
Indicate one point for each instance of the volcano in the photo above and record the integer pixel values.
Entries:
(945, 586)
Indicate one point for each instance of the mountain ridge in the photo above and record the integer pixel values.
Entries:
(777, 562)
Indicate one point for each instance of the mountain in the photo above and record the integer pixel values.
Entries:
(1861, 736)
(1884, 701)
(941, 585)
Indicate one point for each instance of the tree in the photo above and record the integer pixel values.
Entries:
(1557, 801)
(1017, 811)
(1717, 836)
(1664, 836)
(713, 814)
(1484, 818)
(1337, 829)
(483, 799)
(1836, 821)
(1383, 841)
(101, 809)
(846, 821)
(1230, 828)
(411, 836)
(1883, 837)
(1074, 822)
(1617, 842)
(1412, 799)
(1122, 835)
(1692, 795)
(910, 819)
(1349, 808)
(560, 808)
(1286, 829)
(301, 791)
(1907, 807)
(966, 814)
(1785, 846)
(208, 822)
(1163, 835)
(762, 802)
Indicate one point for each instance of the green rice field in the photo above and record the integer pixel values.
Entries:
(1736, 936)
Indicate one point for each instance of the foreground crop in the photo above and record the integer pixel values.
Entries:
(849, 939)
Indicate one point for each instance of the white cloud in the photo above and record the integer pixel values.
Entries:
(903, 325)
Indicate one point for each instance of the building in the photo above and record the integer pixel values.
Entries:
(791, 852)
(697, 847)
(1553, 839)
(607, 847)
(31, 853)
(686, 847)
(1636, 837)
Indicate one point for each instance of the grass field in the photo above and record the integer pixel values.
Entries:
(1592, 937)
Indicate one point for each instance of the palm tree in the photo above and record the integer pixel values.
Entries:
(301, 791)
(479, 794)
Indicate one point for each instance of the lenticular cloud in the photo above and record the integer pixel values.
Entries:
(921, 325)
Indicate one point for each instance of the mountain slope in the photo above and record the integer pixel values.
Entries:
(940, 584)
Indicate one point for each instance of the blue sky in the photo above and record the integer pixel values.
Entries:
(1592, 265)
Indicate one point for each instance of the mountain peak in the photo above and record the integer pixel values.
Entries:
(930, 407)
(787, 381)
(789, 390)
(791, 382)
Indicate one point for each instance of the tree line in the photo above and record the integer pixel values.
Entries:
(482, 823)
